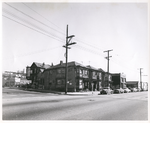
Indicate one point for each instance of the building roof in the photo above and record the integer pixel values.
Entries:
(132, 82)
(41, 65)
(61, 64)
(91, 67)
(74, 63)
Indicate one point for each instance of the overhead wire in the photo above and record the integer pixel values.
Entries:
(35, 26)
(89, 50)
(32, 17)
(80, 47)
(30, 27)
(43, 17)
(34, 52)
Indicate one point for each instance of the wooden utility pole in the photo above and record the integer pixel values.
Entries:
(68, 39)
(141, 78)
(108, 63)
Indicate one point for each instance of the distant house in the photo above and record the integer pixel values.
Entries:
(119, 80)
(11, 79)
(34, 71)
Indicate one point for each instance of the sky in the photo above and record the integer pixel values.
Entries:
(36, 32)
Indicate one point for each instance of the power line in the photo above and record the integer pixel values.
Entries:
(88, 44)
(40, 51)
(43, 17)
(94, 52)
(32, 17)
(30, 27)
(25, 21)
(89, 50)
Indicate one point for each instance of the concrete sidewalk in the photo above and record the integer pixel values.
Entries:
(63, 93)
(83, 93)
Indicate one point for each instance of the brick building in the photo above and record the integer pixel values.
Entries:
(80, 77)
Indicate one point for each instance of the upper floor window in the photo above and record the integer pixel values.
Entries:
(110, 78)
(50, 72)
(63, 70)
(85, 72)
(94, 73)
(80, 71)
(100, 75)
(58, 70)
(70, 69)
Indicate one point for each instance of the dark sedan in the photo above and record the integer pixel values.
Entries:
(106, 90)
(118, 91)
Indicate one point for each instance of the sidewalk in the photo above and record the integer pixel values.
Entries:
(83, 93)
(63, 93)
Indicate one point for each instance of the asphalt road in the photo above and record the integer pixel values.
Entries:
(25, 105)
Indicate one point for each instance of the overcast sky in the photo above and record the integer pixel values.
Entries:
(36, 32)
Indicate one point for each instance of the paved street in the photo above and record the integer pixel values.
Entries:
(27, 105)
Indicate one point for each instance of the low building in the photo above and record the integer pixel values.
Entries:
(11, 79)
(133, 84)
(118, 80)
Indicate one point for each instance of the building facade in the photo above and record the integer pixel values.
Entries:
(119, 81)
(80, 77)
(133, 84)
(34, 72)
(11, 79)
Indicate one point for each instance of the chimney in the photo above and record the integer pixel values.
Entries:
(43, 64)
(52, 64)
(61, 62)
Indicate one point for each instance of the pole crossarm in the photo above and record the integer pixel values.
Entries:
(72, 43)
(108, 50)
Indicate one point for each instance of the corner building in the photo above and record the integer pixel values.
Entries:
(80, 77)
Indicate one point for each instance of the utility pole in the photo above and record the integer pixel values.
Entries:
(68, 39)
(141, 78)
(108, 62)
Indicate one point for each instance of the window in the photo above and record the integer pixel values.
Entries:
(58, 82)
(58, 70)
(70, 69)
(94, 73)
(80, 83)
(50, 72)
(100, 75)
(80, 71)
(109, 77)
(63, 70)
(100, 85)
(85, 72)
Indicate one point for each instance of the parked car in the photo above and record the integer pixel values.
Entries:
(139, 89)
(133, 90)
(106, 90)
(119, 91)
(126, 90)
